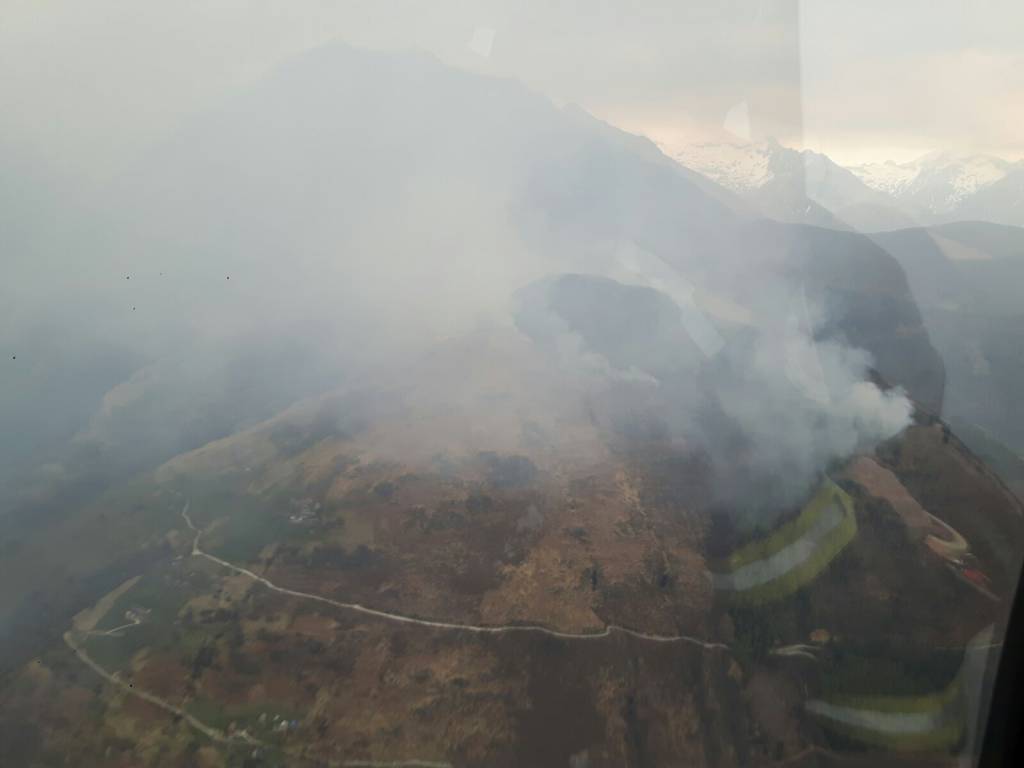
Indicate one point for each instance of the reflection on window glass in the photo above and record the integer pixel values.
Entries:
(508, 384)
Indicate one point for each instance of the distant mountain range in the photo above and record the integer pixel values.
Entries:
(808, 187)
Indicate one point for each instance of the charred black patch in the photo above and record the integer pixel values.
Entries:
(508, 471)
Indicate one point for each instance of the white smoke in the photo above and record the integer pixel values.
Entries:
(772, 428)
(357, 209)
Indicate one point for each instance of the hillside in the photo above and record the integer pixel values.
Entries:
(388, 523)
(964, 277)
(442, 414)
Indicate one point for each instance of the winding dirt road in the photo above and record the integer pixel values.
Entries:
(239, 738)
(208, 731)
(244, 738)
(432, 624)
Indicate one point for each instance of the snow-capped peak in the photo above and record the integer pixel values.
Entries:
(736, 166)
(889, 177)
(937, 181)
(781, 182)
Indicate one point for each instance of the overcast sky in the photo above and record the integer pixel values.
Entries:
(85, 85)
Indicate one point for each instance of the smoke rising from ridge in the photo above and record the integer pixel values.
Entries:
(355, 210)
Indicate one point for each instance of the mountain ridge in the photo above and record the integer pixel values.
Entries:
(937, 187)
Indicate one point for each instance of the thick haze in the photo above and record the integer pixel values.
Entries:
(321, 320)
(204, 228)
(86, 86)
